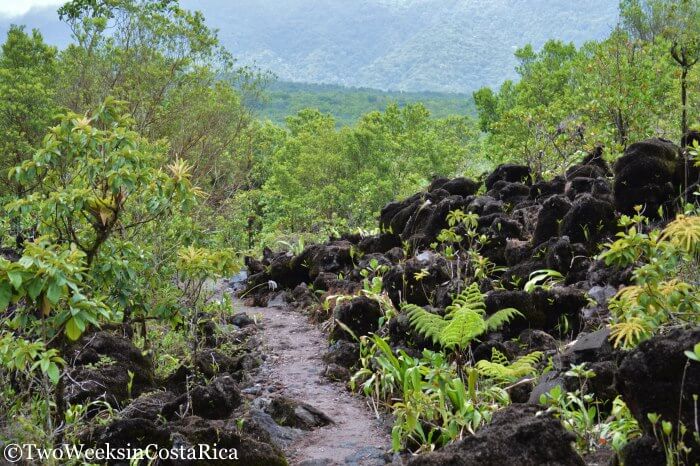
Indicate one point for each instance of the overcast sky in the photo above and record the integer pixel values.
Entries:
(13, 8)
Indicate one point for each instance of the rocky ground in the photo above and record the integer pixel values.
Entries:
(344, 430)
(530, 225)
(272, 379)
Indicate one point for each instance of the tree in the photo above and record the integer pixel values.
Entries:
(684, 34)
(180, 84)
(676, 21)
(27, 80)
(622, 89)
(97, 181)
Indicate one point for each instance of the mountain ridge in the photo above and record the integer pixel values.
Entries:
(392, 45)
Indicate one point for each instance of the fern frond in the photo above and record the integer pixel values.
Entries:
(629, 294)
(498, 357)
(502, 317)
(508, 372)
(684, 232)
(470, 298)
(629, 333)
(464, 326)
(530, 359)
(427, 324)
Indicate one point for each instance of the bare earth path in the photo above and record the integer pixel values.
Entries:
(294, 347)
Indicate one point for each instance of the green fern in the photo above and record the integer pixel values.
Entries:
(499, 318)
(469, 298)
(463, 322)
(501, 370)
(464, 326)
(427, 324)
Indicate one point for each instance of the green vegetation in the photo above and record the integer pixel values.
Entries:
(348, 104)
(655, 300)
(463, 321)
(139, 175)
(409, 45)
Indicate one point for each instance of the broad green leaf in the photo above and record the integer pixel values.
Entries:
(53, 293)
(15, 278)
(54, 373)
(5, 295)
(73, 332)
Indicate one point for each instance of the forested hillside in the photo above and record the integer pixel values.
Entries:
(409, 45)
(510, 277)
(347, 105)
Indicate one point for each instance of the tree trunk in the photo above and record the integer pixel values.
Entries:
(684, 99)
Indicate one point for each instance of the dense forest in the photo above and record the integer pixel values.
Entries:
(376, 278)
(347, 105)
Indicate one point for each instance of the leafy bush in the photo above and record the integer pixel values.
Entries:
(654, 299)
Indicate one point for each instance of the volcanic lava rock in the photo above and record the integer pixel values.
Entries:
(213, 401)
(342, 352)
(361, 315)
(485, 205)
(510, 193)
(589, 221)
(101, 364)
(401, 284)
(148, 406)
(656, 377)
(644, 177)
(333, 257)
(461, 187)
(516, 436)
(559, 254)
(511, 173)
(540, 189)
(224, 435)
(379, 243)
(290, 413)
(553, 211)
(130, 433)
(593, 166)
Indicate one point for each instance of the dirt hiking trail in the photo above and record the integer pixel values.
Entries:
(293, 368)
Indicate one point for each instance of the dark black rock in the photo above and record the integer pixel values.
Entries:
(510, 173)
(589, 221)
(461, 186)
(516, 436)
(657, 377)
(361, 315)
(554, 209)
(644, 177)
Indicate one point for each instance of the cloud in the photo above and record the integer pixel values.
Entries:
(15, 8)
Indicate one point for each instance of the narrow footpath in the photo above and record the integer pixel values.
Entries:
(294, 369)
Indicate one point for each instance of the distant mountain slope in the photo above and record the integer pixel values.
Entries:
(348, 104)
(408, 45)
(439, 45)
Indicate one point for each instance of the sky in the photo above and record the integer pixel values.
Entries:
(14, 8)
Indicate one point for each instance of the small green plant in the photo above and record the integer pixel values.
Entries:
(577, 410)
(464, 319)
(671, 439)
(654, 300)
(431, 403)
(501, 370)
(295, 247)
(130, 383)
(196, 269)
(694, 355)
(543, 279)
